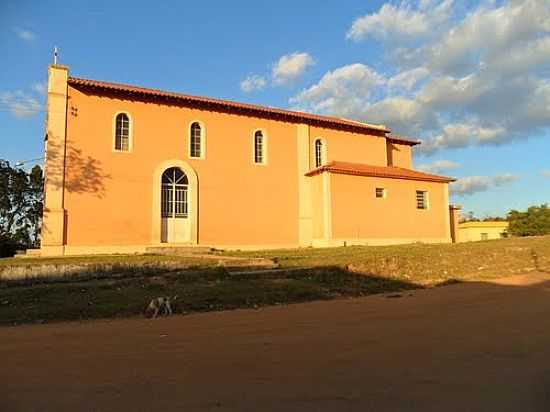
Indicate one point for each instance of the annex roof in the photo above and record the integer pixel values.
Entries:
(390, 172)
(245, 108)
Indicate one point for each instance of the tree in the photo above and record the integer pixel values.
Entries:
(533, 222)
(21, 202)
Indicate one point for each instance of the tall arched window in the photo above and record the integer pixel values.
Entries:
(259, 147)
(196, 141)
(319, 153)
(122, 132)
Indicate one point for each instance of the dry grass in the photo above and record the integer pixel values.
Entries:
(425, 264)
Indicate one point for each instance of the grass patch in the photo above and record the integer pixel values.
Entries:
(203, 286)
(99, 259)
(204, 290)
(424, 263)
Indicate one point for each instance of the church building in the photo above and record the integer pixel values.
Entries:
(130, 168)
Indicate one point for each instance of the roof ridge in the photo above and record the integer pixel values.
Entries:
(228, 103)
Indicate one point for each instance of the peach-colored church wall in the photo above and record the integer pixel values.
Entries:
(358, 214)
(349, 147)
(399, 155)
(108, 197)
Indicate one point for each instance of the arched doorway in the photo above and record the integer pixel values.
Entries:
(175, 226)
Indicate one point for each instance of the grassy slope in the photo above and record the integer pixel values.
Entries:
(351, 271)
(426, 264)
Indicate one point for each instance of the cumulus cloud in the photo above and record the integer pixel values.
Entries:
(20, 103)
(483, 80)
(286, 70)
(402, 20)
(25, 35)
(252, 83)
(458, 135)
(438, 166)
(408, 79)
(475, 184)
(343, 91)
(291, 67)
(490, 30)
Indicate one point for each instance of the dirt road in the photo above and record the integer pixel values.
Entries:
(466, 347)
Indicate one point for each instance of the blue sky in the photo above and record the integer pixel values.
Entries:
(470, 79)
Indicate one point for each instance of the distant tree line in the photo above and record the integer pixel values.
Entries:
(21, 203)
(471, 217)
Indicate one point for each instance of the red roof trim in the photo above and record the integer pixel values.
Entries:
(227, 104)
(389, 172)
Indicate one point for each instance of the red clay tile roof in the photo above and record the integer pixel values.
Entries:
(327, 121)
(402, 140)
(390, 172)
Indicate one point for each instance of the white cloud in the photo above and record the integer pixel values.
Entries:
(343, 91)
(401, 21)
(483, 79)
(408, 79)
(40, 88)
(545, 173)
(438, 166)
(475, 184)
(290, 67)
(253, 82)
(26, 35)
(458, 135)
(23, 104)
(490, 30)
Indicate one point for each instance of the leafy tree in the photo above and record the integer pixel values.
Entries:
(533, 222)
(21, 200)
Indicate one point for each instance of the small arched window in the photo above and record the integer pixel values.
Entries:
(319, 153)
(122, 132)
(196, 141)
(259, 147)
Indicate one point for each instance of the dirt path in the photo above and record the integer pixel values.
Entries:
(481, 346)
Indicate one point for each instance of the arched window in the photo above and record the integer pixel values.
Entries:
(196, 141)
(174, 193)
(259, 147)
(319, 153)
(122, 132)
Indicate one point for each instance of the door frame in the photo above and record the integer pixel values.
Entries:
(192, 200)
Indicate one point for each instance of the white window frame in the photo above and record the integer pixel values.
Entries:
(323, 151)
(130, 133)
(426, 199)
(264, 147)
(203, 140)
